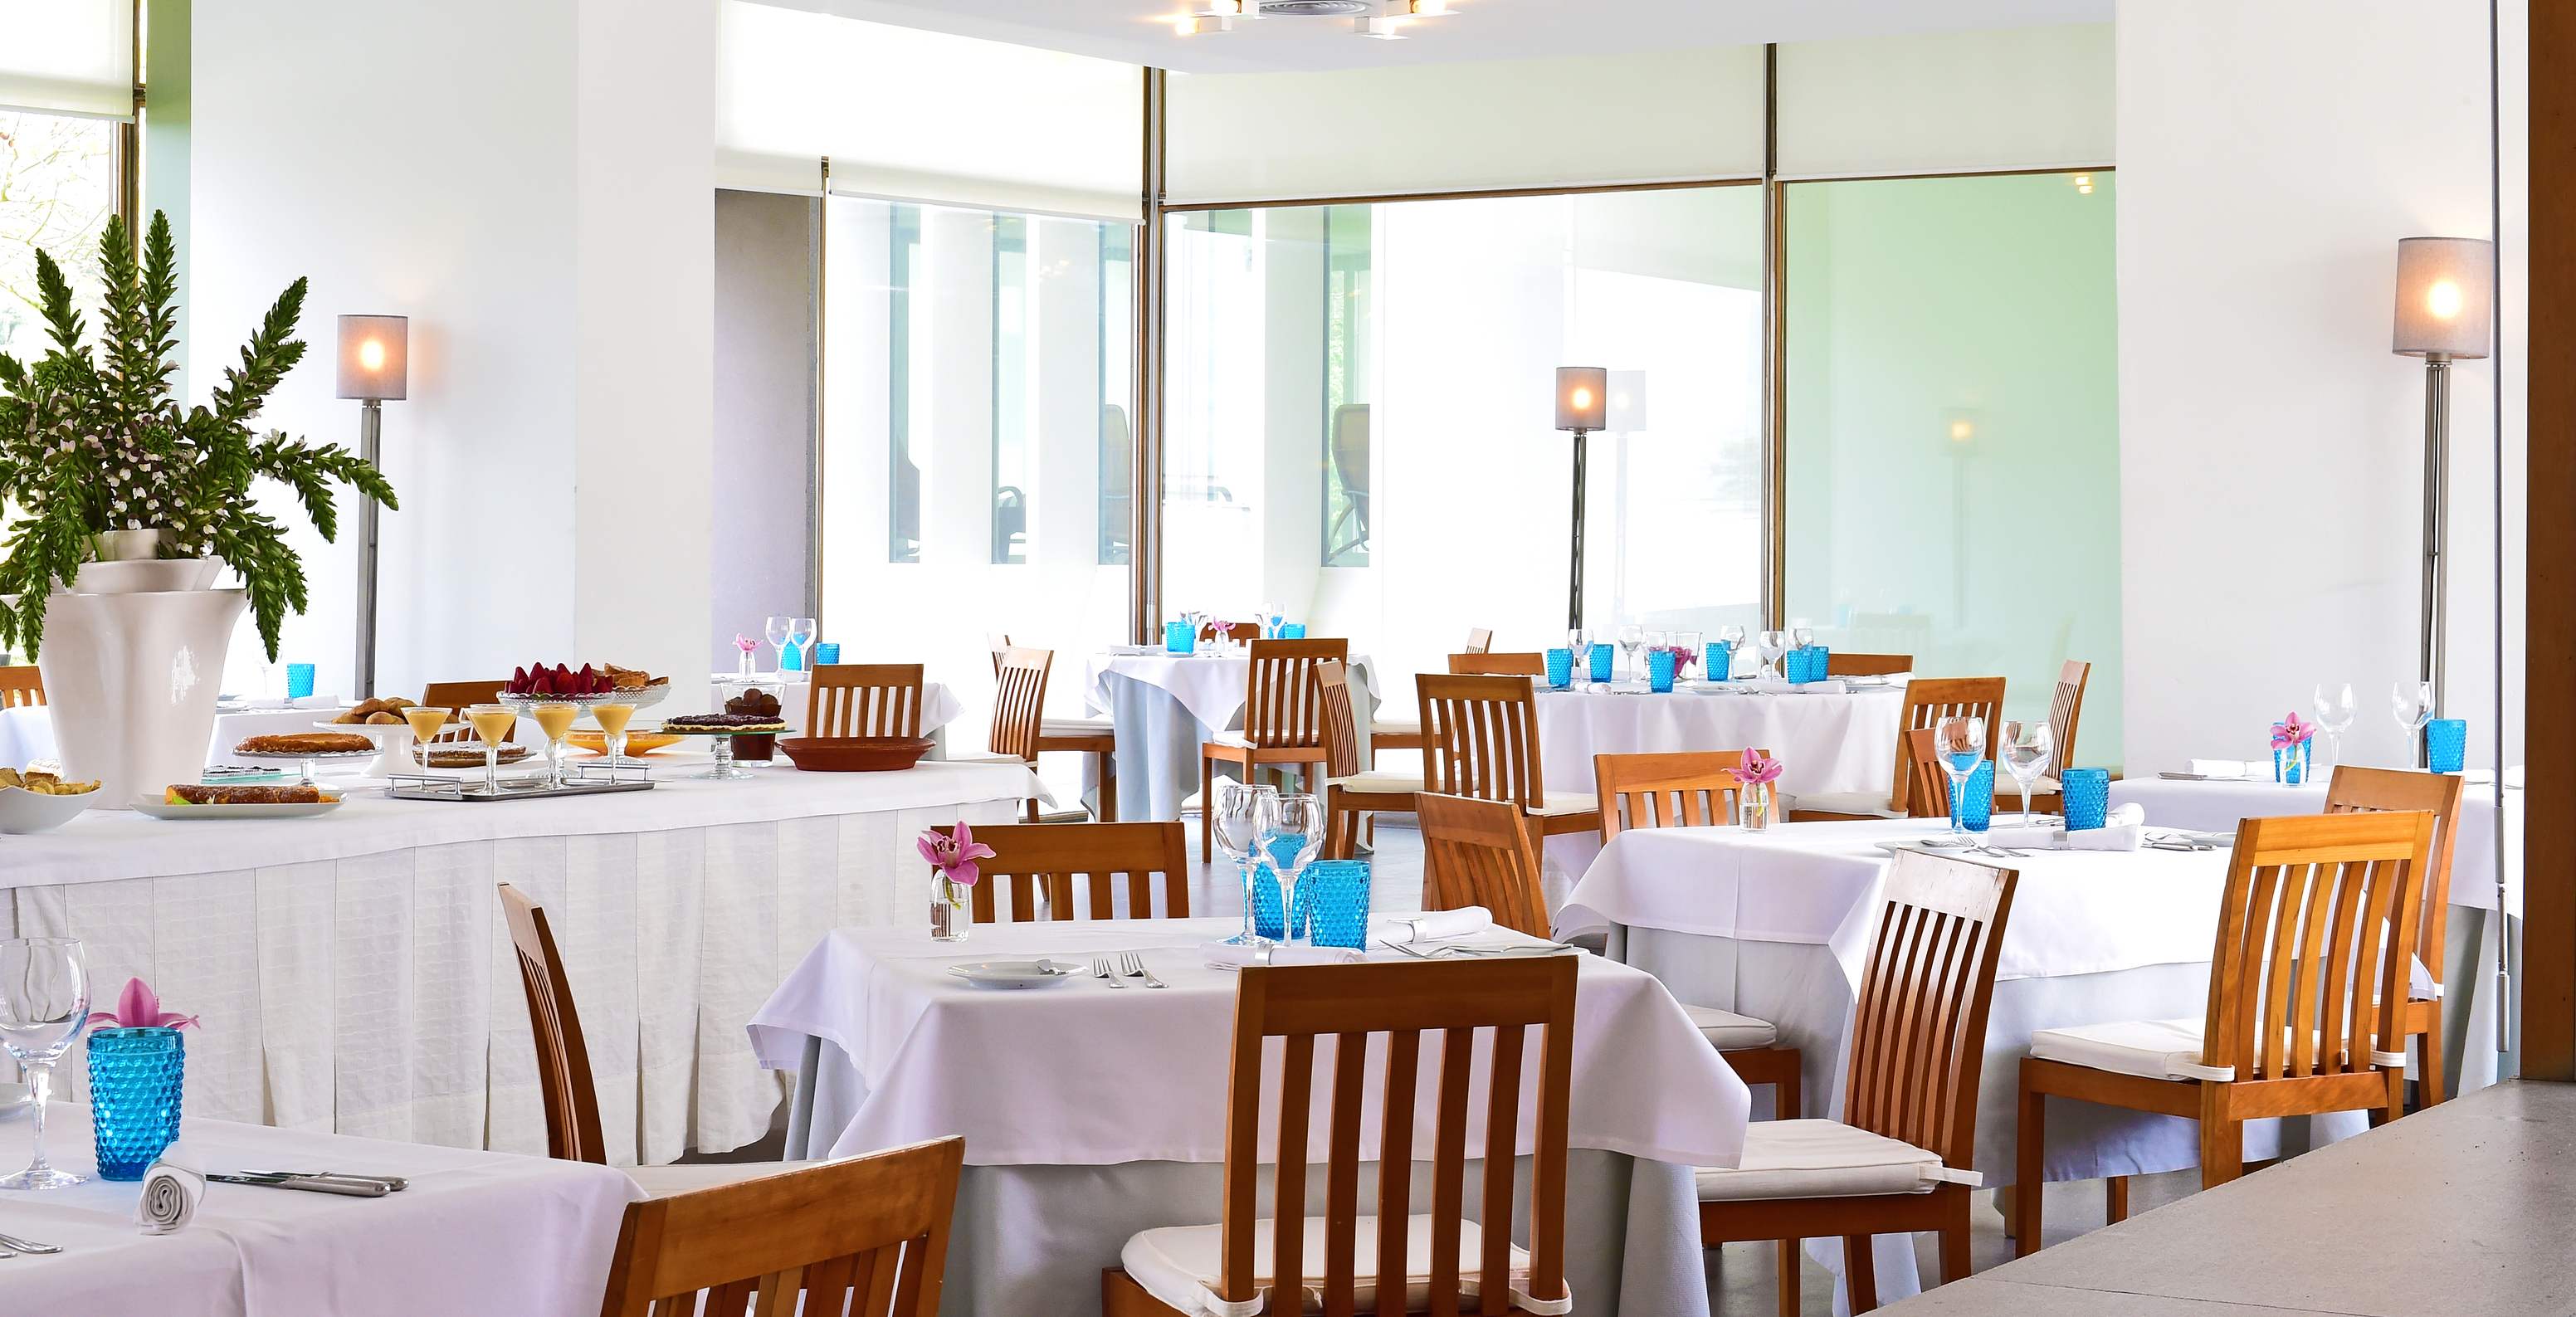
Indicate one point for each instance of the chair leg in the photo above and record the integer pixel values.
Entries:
(1108, 787)
(1789, 1278)
(1207, 810)
(2222, 1141)
(1786, 1097)
(2027, 1160)
(1860, 1273)
(2396, 1098)
(2429, 1090)
(1954, 1250)
(2115, 1200)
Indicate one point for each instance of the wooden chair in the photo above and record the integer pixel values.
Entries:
(1097, 737)
(1059, 854)
(2065, 710)
(1484, 743)
(1898, 1160)
(1930, 796)
(1019, 706)
(1350, 794)
(1867, 665)
(869, 1233)
(2315, 931)
(1479, 640)
(456, 697)
(1478, 852)
(864, 699)
(1692, 790)
(1199, 1267)
(1283, 720)
(1478, 663)
(1927, 701)
(22, 686)
(2373, 790)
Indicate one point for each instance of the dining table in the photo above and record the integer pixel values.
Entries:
(471, 1231)
(1094, 1108)
(1776, 924)
(1166, 706)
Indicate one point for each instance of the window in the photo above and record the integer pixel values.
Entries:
(57, 189)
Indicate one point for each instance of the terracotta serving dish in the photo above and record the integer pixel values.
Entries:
(854, 754)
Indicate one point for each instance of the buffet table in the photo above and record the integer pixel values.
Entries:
(355, 975)
(474, 1232)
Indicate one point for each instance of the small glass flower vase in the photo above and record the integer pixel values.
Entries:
(948, 916)
(2290, 764)
(1753, 806)
(748, 666)
(134, 1083)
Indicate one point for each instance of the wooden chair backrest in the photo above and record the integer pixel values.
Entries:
(1927, 701)
(1479, 640)
(22, 686)
(1930, 796)
(1341, 723)
(1478, 663)
(563, 1060)
(1019, 701)
(1919, 1032)
(2314, 934)
(1085, 857)
(869, 1234)
(2366, 790)
(1689, 790)
(1234, 630)
(864, 699)
(456, 696)
(1483, 736)
(997, 641)
(2065, 709)
(1281, 704)
(1867, 665)
(1479, 852)
(1351, 1003)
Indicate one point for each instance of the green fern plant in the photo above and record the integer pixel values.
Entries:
(93, 441)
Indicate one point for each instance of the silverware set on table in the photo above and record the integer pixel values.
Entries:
(320, 1182)
(11, 1246)
(1130, 966)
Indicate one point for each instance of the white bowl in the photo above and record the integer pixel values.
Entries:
(23, 811)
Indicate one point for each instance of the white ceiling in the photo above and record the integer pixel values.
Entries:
(1140, 31)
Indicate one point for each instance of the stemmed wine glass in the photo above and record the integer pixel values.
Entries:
(2334, 714)
(44, 1004)
(1769, 646)
(1960, 742)
(1733, 637)
(1803, 636)
(2411, 703)
(1579, 639)
(775, 631)
(1292, 830)
(2026, 748)
(1632, 639)
(800, 633)
(1237, 825)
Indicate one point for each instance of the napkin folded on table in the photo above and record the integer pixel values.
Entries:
(2117, 837)
(1829, 686)
(1236, 955)
(172, 1189)
(1432, 925)
(2249, 768)
(1768, 684)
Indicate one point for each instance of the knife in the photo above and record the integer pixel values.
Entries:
(313, 1183)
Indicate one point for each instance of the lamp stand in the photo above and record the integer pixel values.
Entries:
(2437, 531)
(1574, 577)
(371, 421)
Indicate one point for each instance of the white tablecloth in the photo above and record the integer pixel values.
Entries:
(1166, 708)
(355, 974)
(27, 733)
(474, 1232)
(1073, 1097)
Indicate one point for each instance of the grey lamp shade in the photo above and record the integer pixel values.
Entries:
(1582, 397)
(375, 356)
(2445, 296)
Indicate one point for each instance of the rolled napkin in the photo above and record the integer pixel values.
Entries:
(1830, 686)
(2026, 839)
(1235, 955)
(2233, 768)
(171, 1190)
(1432, 925)
(2117, 837)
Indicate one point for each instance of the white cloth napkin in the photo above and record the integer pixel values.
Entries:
(1433, 925)
(2258, 769)
(2125, 831)
(1768, 684)
(1829, 686)
(1235, 955)
(172, 1188)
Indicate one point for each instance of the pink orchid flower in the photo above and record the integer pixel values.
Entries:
(2291, 731)
(744, 643)
(139, 1008)
(955, 856)
(1756, 769)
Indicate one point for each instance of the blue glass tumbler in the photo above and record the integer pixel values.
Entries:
(1659, 670)
(2088, 797)
(1179, 638)
(1560, 668)
(2446, 744)
(1719, 665)
(299, 681)
(1292, 631)
(1973, 805)
(1333, 903)
(1821, 667)
(1793, 667)
(1268, 919)
(1602, 656)
(134, 1082)
(827, 651)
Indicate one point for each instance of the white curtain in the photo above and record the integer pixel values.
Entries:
(68, 56)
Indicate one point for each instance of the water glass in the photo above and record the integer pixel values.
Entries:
(1292, 631)
(1560, 669)
(1179, 637)
(1236, 826)
(1659, 670)
(1972, 802)
(2026, 748)
(2088, 797)
(1793, 667)
(135, 1078)
(299, 681)
(2446, 744)
(1960, 744)
(1632, 639)
(2411, 703)
(1333, 904)
(1719, 663)
(1601, 658)
(44, 1004)
(800, 633)
(1769, 646)
(775, 632)
(2335, 712)
(826, 652)
(1292, 830)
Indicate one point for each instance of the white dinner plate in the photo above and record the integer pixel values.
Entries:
(1012, 973)
(156, 807)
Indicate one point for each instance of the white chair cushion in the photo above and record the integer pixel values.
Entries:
(1076, 727)
(1376, 784)
(1559, 803)
(1824, 1159)
(1728, 1031)
(1237, 739)
(1179, 1265)
(664, 1181)
(1870, 803)
(2149, 1049)
(2008, 789)
(1395, 729)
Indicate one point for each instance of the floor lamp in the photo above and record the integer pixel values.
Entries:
(374, 358)
(1582, 406)
(2445, 308)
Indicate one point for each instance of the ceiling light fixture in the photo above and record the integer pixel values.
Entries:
(1383, 20)
(1192, 26)
(1384, 29)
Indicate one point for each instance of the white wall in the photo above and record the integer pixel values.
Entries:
(532, 183)
(2271, 155)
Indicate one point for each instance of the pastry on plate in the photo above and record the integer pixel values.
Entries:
(44, 783)
(194, 794)
(306, 743)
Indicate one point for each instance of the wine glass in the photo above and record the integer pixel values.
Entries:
(1272, 618)
(800, 633)
(492, 723)
(1802, 636)
(2411, 703)
(1236, 823)
(1292, 829)
(1733, 638)
(1632, 639)
(2026, 748)
(1768, 647)
(2335, 713)
(44, 1005)
(775, 631)
(1960, 743)
(1579, 639)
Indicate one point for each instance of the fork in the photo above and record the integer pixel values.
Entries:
(16, 1245)
(1134, 967)
(1100, 970)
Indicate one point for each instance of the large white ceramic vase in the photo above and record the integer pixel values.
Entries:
(133, 657)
